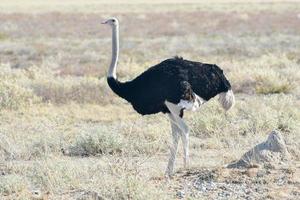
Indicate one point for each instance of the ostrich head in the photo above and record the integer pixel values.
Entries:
(112, 22)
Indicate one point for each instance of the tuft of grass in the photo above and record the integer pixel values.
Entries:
(79, 90)
(12, 184)
(14, 90)
(3, 36)
(112, 178)
(20, 87)
(141, 138)
(126, 180)
(251, 115)
(272, 84)
(265, 75)
(13, 96)
(97, 141)
(271, 88)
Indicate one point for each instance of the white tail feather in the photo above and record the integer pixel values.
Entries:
(227, 99)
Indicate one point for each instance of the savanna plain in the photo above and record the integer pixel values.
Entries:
(65, 135)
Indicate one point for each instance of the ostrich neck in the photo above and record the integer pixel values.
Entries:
(118, 87)
(115, 53)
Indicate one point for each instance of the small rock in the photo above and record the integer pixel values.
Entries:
(39, 195)
(252, 172)
(270, 153)
(261, 173)
(180, 194)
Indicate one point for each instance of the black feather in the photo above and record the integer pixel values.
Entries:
(172, 80)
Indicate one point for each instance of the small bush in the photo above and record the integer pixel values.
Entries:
(270, 84)
(97, 141)
(265, 75)
(135, 139)
(66, 90)
(125, 178)
(43, 147)
(3, 36)
(13, 96)
(251, 115)
(134, 187)
(10, 184)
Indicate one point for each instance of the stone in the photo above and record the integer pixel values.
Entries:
(271, 152)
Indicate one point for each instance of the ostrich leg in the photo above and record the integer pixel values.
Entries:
(185, 144)
(175, 110)
(176, 132)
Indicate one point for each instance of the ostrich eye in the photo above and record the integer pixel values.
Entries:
(113, 20)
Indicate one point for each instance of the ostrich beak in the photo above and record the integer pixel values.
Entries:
(104, 22)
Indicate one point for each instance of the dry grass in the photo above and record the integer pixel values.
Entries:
(65, 135)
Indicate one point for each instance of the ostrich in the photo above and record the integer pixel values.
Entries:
(170, 87)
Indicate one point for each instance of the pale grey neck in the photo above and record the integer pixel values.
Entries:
(115, 52)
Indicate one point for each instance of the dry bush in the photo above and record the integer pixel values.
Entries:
(13, 96)
(43, 147)
(251, 115)
(25, 85)
(67, 90)
(13, 92)
(12, 184)
(269, 81)
(97, 141)
(271, 85)
(7, 149)
(139, 138)
(265, 75)
(127, 181)
(111, 178)
(3, 36)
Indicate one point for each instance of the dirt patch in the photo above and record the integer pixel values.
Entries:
(252, 183)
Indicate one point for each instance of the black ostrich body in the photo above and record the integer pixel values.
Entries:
(172, 80)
